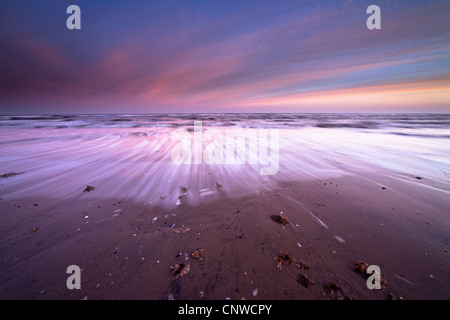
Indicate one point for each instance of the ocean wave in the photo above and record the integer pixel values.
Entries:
(246, 120)
(139, 162)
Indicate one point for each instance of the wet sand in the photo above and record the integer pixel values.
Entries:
(126, 248)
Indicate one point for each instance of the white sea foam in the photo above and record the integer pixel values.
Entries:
(133, 159)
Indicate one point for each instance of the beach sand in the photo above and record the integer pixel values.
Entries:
(126, 248)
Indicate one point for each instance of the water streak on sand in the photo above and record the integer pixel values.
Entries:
(130, 155)
(312, 214)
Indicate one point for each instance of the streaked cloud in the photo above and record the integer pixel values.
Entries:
(227, 55)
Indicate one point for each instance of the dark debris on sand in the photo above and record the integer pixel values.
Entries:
(391, 296)
(278, 218)
(10, 174)
(89, 188)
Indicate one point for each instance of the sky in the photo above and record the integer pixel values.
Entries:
(224, 56)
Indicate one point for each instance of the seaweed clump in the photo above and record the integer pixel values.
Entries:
(361, 268)
(180, 270)
(198, 254)
(305, 281)
(333, 289)
(303, 265)
(284, 258)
